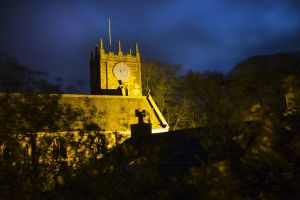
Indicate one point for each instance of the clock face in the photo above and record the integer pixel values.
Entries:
(121, 71)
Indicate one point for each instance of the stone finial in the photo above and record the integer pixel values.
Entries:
(119, 48)
(101, 47)
(137, 53)
(101, 44)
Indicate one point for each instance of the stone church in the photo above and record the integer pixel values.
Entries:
(114, 107)
(116, 93)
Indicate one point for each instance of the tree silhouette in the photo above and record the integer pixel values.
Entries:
(36, 132)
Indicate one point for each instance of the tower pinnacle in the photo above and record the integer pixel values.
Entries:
(137, 53)
(101, 43)
(102, 52)
(119, 48)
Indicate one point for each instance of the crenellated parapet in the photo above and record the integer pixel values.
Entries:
(119, 56)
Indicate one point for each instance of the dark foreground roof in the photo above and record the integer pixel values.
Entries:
(170, 152)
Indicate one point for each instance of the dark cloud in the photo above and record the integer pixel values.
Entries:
(57, 36)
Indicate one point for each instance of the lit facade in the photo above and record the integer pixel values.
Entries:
(116, 96)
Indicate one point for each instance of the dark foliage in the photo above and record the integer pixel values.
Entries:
(247, 146)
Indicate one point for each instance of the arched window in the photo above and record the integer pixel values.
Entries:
(60, 148)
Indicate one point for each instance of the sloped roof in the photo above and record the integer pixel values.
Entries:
(170, 153)
(114, 113)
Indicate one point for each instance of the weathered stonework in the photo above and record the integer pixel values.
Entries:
(115, 113)
(118, 106)
(103, 80)
(108, 110)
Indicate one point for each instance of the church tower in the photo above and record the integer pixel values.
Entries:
(115, 73)
(116, 88)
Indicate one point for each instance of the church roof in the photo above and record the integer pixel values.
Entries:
(115, 113)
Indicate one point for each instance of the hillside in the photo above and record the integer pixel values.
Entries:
(281, 63)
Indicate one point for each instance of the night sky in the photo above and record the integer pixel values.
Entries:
(57, 36)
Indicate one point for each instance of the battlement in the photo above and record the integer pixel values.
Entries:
(119, 56)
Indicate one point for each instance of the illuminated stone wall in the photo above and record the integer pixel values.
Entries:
(112, 116)
(115, 109)
(114, 113)
(108, 113)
